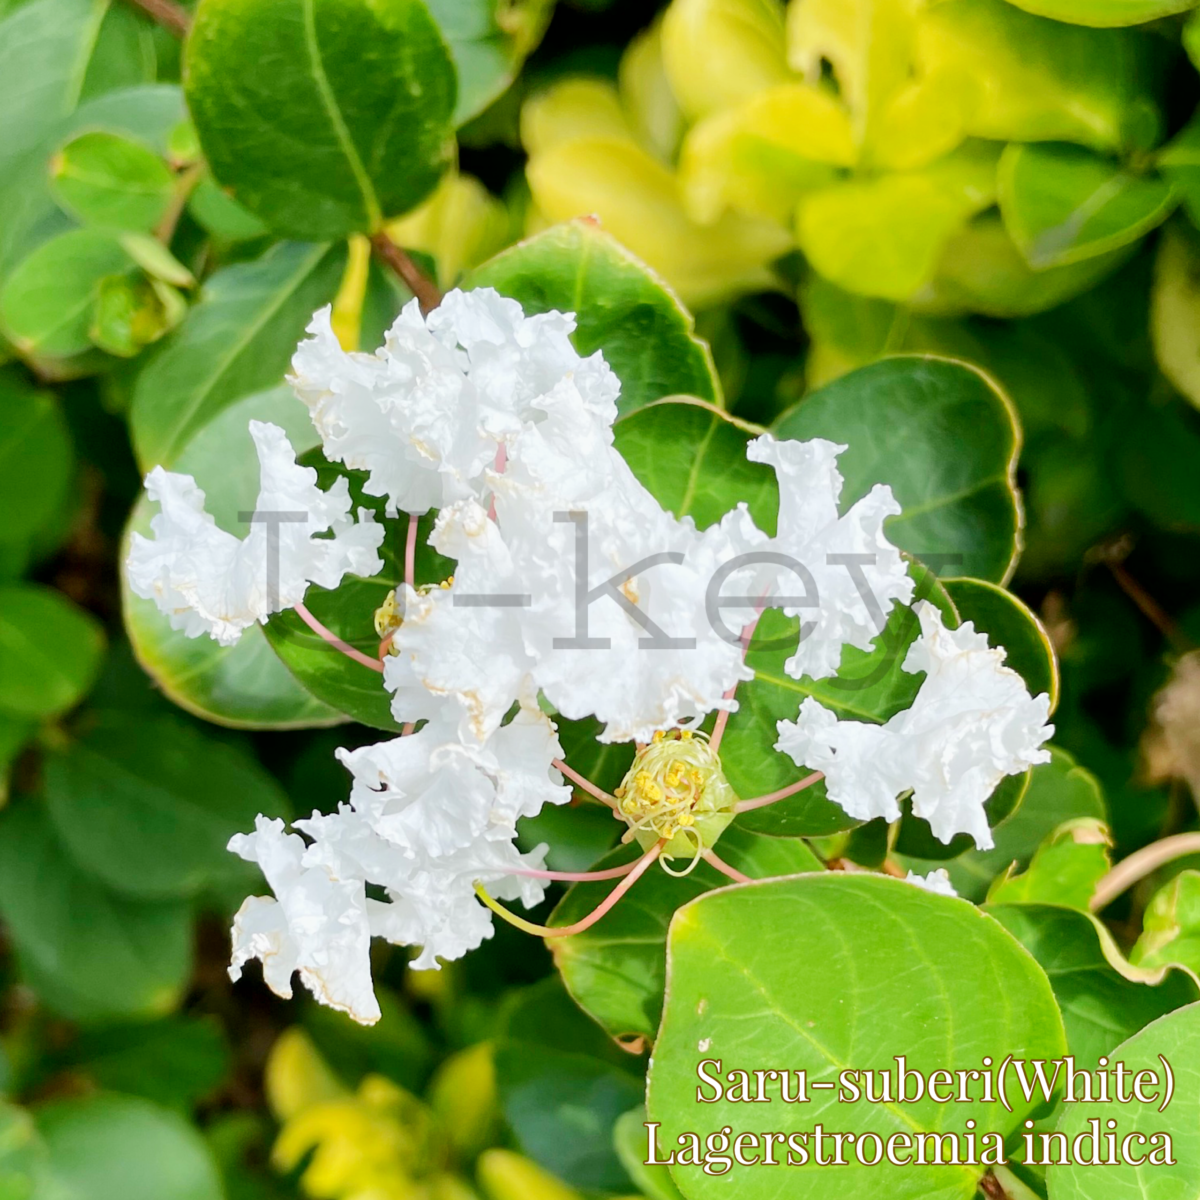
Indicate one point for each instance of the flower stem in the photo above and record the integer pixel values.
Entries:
(332, 638)
(410, 552)
(580, 876)
(783, 793)
(587, 785)
(417, 282)
(167, 14)
(1140, 864)
(723, 716)
(714, 860)
(639, 869)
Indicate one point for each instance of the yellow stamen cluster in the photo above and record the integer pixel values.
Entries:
(676, 790)
(389, 616)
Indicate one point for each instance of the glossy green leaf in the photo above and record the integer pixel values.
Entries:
(123, 1148)
(841, 972)
(1064, 871)
(35, 458)
(1100, 1007)
(50, 651)
(488, 43)
(90, 954)
(1063, 204)
(692, 459)
(1179, 163)
(47, 304)
(869, 686)
(1009, 623)
(1175, 1037)
(1105, 13)
(322, 117)
(982, 271)
(1175, 309)
(112, 181)
(1171, 926)
(945, 438)
(244, 685)
(622, 307)
(616, 969)
(1058, 791)
(148, 805)
(562, 1086)
(237, 340)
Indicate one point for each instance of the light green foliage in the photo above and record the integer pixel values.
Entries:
(1065, 869)
(1171, 926)
(108, 180)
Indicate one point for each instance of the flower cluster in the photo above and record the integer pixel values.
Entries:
(574, 593)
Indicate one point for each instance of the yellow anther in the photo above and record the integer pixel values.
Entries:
(388, 617)
(659, 735)
(685, 734)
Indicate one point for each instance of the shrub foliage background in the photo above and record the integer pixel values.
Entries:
(825, 186)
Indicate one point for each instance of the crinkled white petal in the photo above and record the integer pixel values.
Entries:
(208, 581)
(972, 723)
(316, 924)
(937, 882)
(426, 414)
(846, 573)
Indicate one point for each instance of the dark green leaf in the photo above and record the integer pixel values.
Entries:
(322, 117)
(35, 458)
(90, 954)
(945, 438)
(623, 309)
(148, 805)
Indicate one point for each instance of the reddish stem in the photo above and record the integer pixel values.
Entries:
(587, 785)
(410, 552)
(332, 638)
(581, 876)
(546, 931)
(723, 716)
(414, 278)
(714, 860)
(167, 14)
(770, 798)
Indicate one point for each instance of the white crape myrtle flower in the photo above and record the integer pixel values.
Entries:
(429, 816)
(209, 581)
(833, 550)
(316, 924)
(606, 592)
(427, 413)
(937, 882)
(972, 723)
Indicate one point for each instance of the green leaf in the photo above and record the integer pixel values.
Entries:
(632, 1143)
(1176, 1038)
(1059, 791)
(869, 686)
(1064, 871)
(176, 1062)
(1155, 461)
(148, 805)
(945, 438)
(322, 117)
(562, 1086)
(1171, 926)
(983, 271)
(616, 970)
(1100, 1007)
(488, 44)
(622, 307)
(48, 301)
(1062, 204)
(237, 340)
(1179, 162)
(1175, 309)
(1105, 13)
(24, 1163)
(692, 458)
(123, 1148)
(132, 311)
(35, 458)
(90, 954)
(244, 685)
(842, 972)
(221, 216)
(1011, 624)
(112, 181)
(50, 651)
